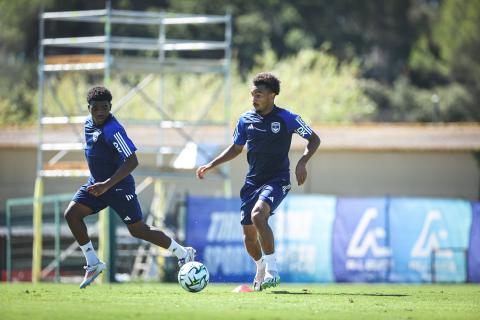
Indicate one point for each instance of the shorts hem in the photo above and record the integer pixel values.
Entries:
(265, 199)
(86, 205)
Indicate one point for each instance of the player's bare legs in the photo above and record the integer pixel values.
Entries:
(74, 215)
(151, 234)
(250, 239)
(260, 215)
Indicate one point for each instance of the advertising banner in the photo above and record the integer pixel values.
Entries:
(474, 249)
(214, 230)
(324, 239)
(302, 227)
(360, 244)
(418, 227)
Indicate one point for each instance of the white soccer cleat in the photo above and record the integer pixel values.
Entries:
(91, 273)
(188, 258)
(272, 279)
(257, 281)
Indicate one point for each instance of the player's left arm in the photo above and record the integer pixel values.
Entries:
(301, 169)
(99, 188)
(297, 125)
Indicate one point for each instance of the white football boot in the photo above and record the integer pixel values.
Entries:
(91, 273)
(257, 281)
(188, 258)
(272, 279)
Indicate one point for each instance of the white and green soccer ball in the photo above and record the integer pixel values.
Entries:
(193, 276)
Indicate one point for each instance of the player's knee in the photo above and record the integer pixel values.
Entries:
(75, 212)
(69, 214)
(258, 218)
(136, 230)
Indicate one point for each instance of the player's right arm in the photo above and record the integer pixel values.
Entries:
(239, 140)
(228, 154)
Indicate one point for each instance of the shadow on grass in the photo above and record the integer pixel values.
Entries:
(340, 294)
(290, 292)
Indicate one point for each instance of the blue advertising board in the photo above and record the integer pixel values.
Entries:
(213, 228)
(360, 244)
(302, 228)
(474, 248)
(325, 239)
(420, 226)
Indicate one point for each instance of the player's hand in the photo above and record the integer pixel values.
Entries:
(98, 188)
(301, 172)
(202, 170)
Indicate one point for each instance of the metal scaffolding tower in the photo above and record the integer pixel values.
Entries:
(155, 58)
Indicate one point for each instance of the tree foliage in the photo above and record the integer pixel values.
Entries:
(406, 51)
(446, 59)
(313, 84)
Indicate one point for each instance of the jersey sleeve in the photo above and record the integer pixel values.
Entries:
(239, 135)
(118, 138)
(296, 124)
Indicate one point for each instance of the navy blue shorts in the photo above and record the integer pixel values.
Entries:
(122, 199)
(272, 192)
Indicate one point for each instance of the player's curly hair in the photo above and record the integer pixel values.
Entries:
(99, 94)
(268, 80)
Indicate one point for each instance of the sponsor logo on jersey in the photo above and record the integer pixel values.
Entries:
(116, 145)
(121, 145)
(129, 197)
(252, 127)
(275, 127)
(303, 130)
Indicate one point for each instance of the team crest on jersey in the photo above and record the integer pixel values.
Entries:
(275, 127)
(95, 135)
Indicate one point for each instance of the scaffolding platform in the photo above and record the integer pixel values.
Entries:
(148, 57)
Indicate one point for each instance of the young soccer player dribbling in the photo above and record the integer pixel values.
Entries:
(111, 158)
(267, 130)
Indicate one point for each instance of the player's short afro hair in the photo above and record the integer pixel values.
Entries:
(268, 80)
(99, 94)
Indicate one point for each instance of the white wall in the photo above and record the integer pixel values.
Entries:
(432, 174)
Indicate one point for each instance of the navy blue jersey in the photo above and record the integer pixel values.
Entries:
(268, 140)
(107, 147)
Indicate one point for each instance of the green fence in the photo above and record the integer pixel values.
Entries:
(19, 217)
(60, 256)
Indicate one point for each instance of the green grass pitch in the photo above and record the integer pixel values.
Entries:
(169, 301)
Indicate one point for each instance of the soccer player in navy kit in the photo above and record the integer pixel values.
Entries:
(267, 130)
(111, 158)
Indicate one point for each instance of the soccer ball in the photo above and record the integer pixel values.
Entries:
(193, 276)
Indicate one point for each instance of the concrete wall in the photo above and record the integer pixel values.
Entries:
(429, 174)
(344, 173)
